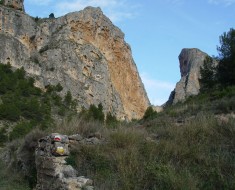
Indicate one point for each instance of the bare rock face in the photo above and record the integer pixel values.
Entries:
(83, 51)
(190, 62)
(16, 4)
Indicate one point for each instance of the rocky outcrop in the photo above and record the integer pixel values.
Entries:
(53, 172)
(16, 4)
(191, 61)
(157, 109)
(83, 51)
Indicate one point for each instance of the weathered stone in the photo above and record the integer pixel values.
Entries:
(52, 170)
(76, 137)
(157, 108)
(93, 140)
(83, 51)
(96, 135)
(69, 171)
(15, 4)
(191, 60)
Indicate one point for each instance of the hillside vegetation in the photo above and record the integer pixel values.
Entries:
(189, 145)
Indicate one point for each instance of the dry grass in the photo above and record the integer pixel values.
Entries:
(77, 125)
(196, 155)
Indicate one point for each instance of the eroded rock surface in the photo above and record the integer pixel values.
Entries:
(190, 62)
(83, 51)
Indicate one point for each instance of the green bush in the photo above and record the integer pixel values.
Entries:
(149, 113)
(10, 112)
(95, 113)
(20, 130)
(9, 179)
(3, 136)
(111, 121)
(68, 99)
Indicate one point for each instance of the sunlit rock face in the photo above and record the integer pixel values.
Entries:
(15, 4)
(191, 60)
(83, 51)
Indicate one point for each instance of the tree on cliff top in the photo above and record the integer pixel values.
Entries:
(224, 73)
(226, 68)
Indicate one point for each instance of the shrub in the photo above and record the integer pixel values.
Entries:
(10, 112)
(58, 87)
(36, 19)
(149, 113)
(3, 136)
(20, 130)
(208, 75)
(11, 179)
(27, 155)
(52, 16)
(95, 113)
(68, 99)
(111, 121)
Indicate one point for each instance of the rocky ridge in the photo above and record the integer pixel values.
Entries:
(83, 51)
(191, 60)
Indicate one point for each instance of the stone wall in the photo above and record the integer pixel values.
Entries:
(53, 173)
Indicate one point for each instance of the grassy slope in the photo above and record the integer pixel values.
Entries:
(188, 146)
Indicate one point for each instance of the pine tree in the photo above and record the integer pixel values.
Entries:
(226, 68)
(208, 75)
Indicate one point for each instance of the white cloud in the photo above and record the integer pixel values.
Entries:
(225, 2)
(116, 10)
(158, 91)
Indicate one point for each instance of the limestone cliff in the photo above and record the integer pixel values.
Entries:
(16, 4)
(190, 62)
(83, 51)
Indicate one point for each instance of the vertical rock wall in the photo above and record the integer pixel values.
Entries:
(191, 60)
(83, 51)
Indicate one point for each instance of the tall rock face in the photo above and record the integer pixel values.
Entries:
(16, 4)
(83, 51)
(191, 61)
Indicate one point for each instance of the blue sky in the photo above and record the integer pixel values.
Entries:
(157, 30)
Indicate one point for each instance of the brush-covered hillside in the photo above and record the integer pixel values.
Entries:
(189, 145)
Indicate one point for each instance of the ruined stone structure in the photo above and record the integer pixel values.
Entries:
(83, 51)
